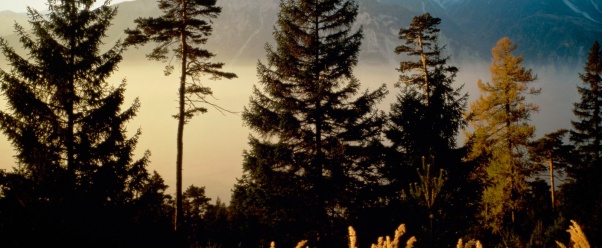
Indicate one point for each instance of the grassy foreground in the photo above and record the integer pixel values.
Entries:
(578, 240)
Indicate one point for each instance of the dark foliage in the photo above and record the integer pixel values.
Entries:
(423, 125)
(583, 193)
(75, 183)
(322, 157)
(313, 167)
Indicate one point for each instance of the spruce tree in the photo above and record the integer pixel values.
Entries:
(314, 155)
(67, 126)
(584, 201)
(500, 118)
(587, 130)
(181, 31)
(64, 120)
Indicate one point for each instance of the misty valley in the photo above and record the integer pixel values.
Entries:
(301, 123)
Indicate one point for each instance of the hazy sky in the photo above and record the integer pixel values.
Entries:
(21, 5)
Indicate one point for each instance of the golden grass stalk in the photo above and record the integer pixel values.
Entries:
(388, 243)
(578, 239)
(577, 236)
(411, 242)
(400, 231)
(301, 244)
(469, 244)
(352, 238)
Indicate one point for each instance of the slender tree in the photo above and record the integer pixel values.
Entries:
(427, 115)
(314, 162)
(427, 192)
(179, 32)
(420, 37)
(67, 127)
(425, 119)
(500, 118)
(552, 155)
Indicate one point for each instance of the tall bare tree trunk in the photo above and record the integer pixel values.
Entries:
(552, 180)
(70, 142)
(181, 122)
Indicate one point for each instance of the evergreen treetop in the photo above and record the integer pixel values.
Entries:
(64, 119)
(181, 31)
(501, 134)
(420, 40)
(314, 156)
(587, 133)
(76, 182)
(422, 126)
(584, 190)
(427, 115)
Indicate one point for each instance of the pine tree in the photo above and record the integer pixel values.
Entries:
(67, 126)
(420, 39)
(583, 192)
(427, 115)
(500, 118)
(314, 159)
(425, 119)
(552, 155)
(183, 27)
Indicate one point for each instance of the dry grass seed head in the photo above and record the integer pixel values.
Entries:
(352, 237)
(469, 244)
(301, 244)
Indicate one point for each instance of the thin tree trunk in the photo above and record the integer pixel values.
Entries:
(318, 98)
(552, 180)
(181, 122)
(319, 160)
(70, 139)
(508, 139)
(429, 119)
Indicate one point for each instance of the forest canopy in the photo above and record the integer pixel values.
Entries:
(323, 154)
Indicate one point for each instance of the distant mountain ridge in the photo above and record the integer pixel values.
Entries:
(7, 21)
(558, 32)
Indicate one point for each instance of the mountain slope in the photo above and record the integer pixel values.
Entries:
(7, 21)
(546, 31)
(558, 32)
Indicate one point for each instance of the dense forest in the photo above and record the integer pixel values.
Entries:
(322, 156)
